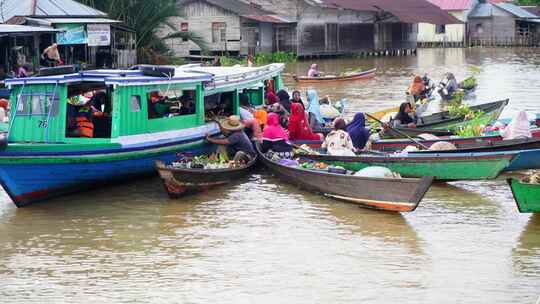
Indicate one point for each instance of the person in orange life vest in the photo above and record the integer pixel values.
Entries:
(85, 115)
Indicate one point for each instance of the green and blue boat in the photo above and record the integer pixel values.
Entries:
(526, 195)
(43, 158)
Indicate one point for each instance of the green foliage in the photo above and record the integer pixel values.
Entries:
(261, 59)
(470, 130)
(461, 110)
(527, 2)
(149, 19)
(469, 83)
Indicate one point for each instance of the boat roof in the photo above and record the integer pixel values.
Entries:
(235, 76)
(214, 77)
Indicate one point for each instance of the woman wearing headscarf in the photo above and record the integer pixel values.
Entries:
(450, 87)
(284, 100)
(519, 127)
(314, 110)
(297, 97)
(275, 138)
(298, 126)
(338, 142)
(271, 98)
(417, 88)
(358, 131)
(403, 119)
(314, 71)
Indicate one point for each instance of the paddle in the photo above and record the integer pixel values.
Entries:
(399, 132)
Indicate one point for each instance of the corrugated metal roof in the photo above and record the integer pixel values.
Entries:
(453, 5)
(532, 9)
(56, 8)
(482, 10)
(516, 10)
(269, 18)
(78, 20)
(409, 11)
(22, 29)
(485, 10)
(249, 11)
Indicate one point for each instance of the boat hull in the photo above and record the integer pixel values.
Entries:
(180, 182)
(494, 141)
(441, 167)
(527, 196)
(359, 76)
(28, 179)
(366, 192)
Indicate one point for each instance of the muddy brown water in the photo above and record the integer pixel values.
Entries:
(262, 241)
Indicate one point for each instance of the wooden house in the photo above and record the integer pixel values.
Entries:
(333, 27)
(495, 24)
(447, 34)
(84, 35)
(306, 27)
(229, 27)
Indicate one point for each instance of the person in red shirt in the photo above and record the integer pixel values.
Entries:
(299, 128)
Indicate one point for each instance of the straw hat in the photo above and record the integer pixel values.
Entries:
(232, 123)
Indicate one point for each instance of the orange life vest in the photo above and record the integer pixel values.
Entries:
(85, 127)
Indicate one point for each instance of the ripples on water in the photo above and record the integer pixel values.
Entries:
(263, 241)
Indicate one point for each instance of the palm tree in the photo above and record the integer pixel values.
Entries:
(149, 18)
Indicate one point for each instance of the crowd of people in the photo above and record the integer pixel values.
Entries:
(285, 119)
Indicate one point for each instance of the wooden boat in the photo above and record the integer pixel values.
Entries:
(350, 77)
(526, 195)
(372, 193)
(43, 160)
(391, 145)
(442, 121)
(446, 167)
(181, 181)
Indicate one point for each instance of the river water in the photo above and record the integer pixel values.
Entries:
(262, 241)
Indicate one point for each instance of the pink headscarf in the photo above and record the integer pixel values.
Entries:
(273, 131)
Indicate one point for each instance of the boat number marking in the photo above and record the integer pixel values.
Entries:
(42, 123)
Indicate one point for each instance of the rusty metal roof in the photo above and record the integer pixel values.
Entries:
(453, 5)
(408, 11)
(250, 11)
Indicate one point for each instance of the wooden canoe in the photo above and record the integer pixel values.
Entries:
(527, 196)
(445, 167)
(182, 181)
(405, 194)
(445, 123)
(392, 145)
(353, 76)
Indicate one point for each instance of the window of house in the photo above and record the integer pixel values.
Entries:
(440, 28)
(219, 32)
(171, 103)
(135, 103)
(479, 28)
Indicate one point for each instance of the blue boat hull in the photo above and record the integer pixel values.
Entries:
(525, 160)
(30, 183)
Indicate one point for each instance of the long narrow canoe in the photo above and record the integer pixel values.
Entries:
(527, 196)
(405, 194)
(463, 166)
(442, 121)
(350, 77)
(391, 145)
(181, 181)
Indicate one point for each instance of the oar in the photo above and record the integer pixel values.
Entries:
(399, 132)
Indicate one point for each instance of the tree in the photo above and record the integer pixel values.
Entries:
(528, 2)
(149, 18)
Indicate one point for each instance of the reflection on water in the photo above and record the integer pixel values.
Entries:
(261, 240)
